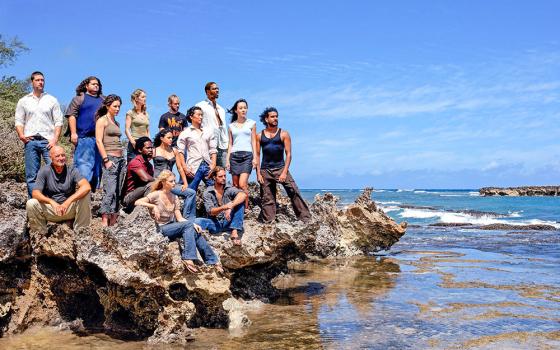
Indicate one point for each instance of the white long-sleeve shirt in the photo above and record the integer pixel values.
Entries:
(209, 120)
(198, 144)
(38, 115)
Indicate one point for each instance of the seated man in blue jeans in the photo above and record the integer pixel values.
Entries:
(225, 205)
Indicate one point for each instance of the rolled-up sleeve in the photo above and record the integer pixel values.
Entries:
(181, 143)
(231, 192)
(20, 114)
(57, 114)
(212, 142)
(208, 201)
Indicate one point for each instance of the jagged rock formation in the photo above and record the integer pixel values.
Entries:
(521, 191)
(128, 281)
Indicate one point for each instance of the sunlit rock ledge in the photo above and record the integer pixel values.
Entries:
(521, 191)
(128, 281)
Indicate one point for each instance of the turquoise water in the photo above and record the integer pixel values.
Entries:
(437, 288)
(450, 206)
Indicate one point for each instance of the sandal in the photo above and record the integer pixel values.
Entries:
(218, 268)
(189, 265)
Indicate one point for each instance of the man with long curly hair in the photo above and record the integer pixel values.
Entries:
(81, 124)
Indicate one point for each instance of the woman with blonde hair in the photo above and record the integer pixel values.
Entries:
(137, 122)
(165, 209)
(108, 141)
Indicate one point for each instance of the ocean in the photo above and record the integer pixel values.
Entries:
(439, 287)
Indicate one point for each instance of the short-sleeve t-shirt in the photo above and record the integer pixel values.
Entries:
(83, 108)
(59, 187)
(241, 135)
(139, 125)
(174, 121)
(133, 181)
(166, 213)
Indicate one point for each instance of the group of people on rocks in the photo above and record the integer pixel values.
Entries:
(201, 145)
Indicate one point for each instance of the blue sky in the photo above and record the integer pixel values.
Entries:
(394, 94)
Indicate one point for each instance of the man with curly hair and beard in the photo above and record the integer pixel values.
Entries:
(81, 125)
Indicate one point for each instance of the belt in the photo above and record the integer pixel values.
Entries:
(38, 137)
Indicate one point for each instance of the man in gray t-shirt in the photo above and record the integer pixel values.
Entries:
(60, 194)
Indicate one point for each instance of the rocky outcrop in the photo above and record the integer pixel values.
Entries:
(128, 281)
(532, 227)
(521, 191)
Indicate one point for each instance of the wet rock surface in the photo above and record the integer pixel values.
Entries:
(128, 281)
(521, 191)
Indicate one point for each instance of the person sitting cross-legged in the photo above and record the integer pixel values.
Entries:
(225, 205)
(165, 209)
(60, 194)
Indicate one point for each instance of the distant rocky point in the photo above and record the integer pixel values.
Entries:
(521, 191)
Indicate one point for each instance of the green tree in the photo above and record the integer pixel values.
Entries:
(11, 90)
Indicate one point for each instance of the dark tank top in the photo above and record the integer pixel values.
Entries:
(162, 163)
(273, 151)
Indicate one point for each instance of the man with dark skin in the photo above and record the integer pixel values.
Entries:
(214, 116)
(55, 197)
(273, 169)
(140, 173)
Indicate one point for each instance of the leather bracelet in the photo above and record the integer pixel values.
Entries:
(105, 160)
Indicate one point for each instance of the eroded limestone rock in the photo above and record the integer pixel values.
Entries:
(129, 282)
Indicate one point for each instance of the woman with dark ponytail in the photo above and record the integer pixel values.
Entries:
(241, 153)
(108, 140)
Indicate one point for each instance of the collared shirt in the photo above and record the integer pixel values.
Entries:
(198, 145)
(211, 199)
(209, 120)
(38, 115)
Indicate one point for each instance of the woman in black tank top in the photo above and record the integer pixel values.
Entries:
(165, 155)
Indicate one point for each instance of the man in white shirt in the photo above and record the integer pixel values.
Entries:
(38, 120)
(199, 144)
(214, 116)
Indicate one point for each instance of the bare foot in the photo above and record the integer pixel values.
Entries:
(219, 268)
(189, 265)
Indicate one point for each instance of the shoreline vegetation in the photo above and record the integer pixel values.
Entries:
(523, 191)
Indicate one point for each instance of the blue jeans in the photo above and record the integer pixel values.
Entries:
(215, 226)
(34, 149)
(192, 240)
(88, 160)
(189, 206)
(200, 175)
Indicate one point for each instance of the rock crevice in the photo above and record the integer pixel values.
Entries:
(128, 281)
